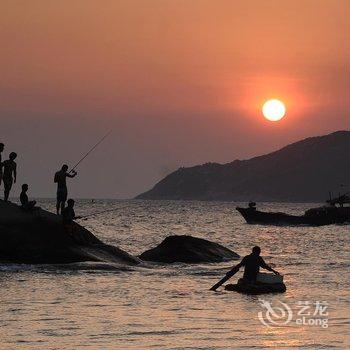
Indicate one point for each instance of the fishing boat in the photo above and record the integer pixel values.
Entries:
(334, 212)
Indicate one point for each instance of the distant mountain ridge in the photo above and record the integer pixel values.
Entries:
(302, 171)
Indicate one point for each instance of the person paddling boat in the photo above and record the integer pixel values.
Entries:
(252, 264)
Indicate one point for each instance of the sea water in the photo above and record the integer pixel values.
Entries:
(169, 306)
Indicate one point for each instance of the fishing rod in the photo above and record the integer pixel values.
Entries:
(98, 143)
(99, 212)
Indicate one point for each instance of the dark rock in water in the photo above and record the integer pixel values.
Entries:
(39, 238)
(188, 249)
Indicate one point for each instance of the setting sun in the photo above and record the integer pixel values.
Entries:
(274, 110)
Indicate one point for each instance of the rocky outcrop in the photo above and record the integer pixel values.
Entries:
(188, 249)
(39, 237)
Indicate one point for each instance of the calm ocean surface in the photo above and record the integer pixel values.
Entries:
(156, 306)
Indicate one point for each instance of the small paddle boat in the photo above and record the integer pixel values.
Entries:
(265, 283)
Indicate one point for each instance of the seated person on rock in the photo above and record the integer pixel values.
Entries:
(68, 216)
(252, 205)
(251, 263)
(25, 203)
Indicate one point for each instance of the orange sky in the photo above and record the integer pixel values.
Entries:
(180, 81)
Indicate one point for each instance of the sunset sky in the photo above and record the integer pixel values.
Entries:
(180, 82)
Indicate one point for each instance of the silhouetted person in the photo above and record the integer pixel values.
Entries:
(25, 203)
(252, 205)
(62, 192)
(251, 263)
(2, 146)
(9, 174)
(68, 213)
(68, 217)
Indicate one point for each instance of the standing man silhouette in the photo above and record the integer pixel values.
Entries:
(62, 192)
(2, 146)
(10, 174)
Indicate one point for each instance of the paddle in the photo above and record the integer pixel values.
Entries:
(226, 278)
(221, 282)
